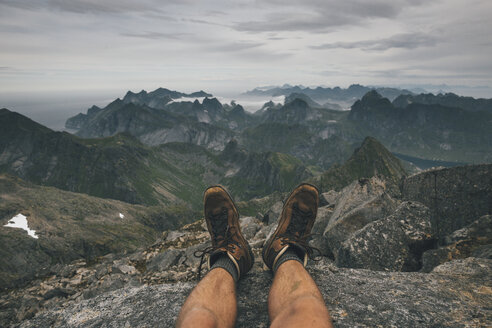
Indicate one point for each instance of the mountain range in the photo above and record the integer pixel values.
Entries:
(116, 207)
(422, 126)
(121, 167)
(329, 97)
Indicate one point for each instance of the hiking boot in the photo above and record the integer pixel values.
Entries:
(294, 226)
(222, 220)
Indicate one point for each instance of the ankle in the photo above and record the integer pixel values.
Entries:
(289, 255)
(223, 261)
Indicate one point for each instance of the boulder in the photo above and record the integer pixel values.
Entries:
(472, 240)
(456, 196)
(173, 235)
(249, 227)
(394, 243)
(317, 239)
(273, 214)
(191, 260)
(483, 252)
(358, 204)
(164, 260)
(356, 195)
(470, 266)
(329, 198)
(478, 232)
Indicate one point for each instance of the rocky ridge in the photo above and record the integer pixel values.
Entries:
(364, 283)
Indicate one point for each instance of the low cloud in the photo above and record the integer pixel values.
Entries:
(401, 41)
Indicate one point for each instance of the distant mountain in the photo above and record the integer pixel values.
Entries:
(295, 111)
(448, 99)
(156, 126)
(207, 124)
(121, 167)
(323, 95)
(314, 145)
(293, 96)
(159, 97)
(303, 128)
(259, 174)
(156, 99)
(118, 167)
(433, 131)
(370, 159)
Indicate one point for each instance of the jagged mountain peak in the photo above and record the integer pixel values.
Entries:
(294, 96)
(13, 122)
(237, 111)
(372, 94)
(372, 103)
(211, 103)
(296, 103)
(369, 160)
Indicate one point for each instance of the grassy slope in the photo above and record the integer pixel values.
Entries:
(72, 225)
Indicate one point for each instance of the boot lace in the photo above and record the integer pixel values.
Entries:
(221, 237)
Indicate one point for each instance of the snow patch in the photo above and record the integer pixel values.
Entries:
(20, 221)
(122, 216)
(445, 146)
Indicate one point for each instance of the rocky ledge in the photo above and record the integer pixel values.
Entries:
(453, 295)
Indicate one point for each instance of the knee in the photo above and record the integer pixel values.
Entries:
(306, 311)
(305, 305)
(198, 317)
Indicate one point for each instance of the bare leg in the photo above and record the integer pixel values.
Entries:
(212, 303)
(295, 300)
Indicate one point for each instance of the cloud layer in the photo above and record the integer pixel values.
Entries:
(224, 45)
(401, 41)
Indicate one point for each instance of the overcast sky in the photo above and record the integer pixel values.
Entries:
(56, 45)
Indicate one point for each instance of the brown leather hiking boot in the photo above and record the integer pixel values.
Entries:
(222, 220)
(294, 226)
